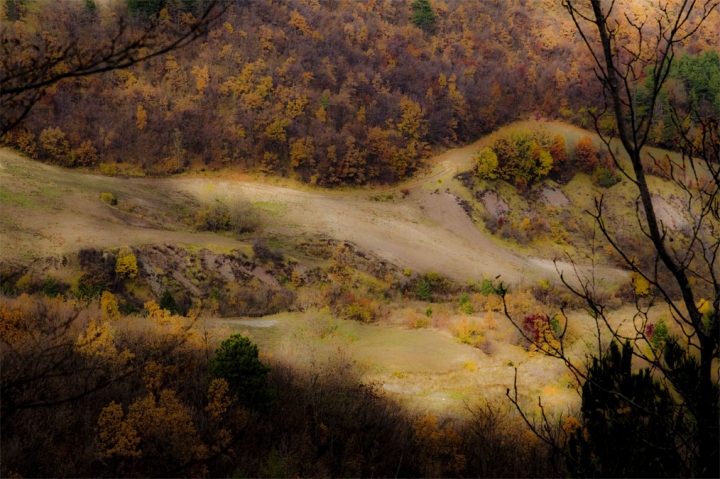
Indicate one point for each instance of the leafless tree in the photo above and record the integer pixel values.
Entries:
(633, 53)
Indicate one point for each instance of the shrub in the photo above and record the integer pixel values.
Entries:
(659, 333)
(242, 216)
(420, 323)
(54, 144)
(109, 169)
(641, 286)
(522, 158)
(535, 324)
(558, 234)
(466, 305)
(487, 288)
(361, 311)
(486, 164)
(469, 332)
(126, 265)
(109, 306)
(108, 198)
(236, 215)
(86, 154)
(437, 281)
(604, 177)
(24, 284)
(8, 289)
(265, 254)
(586, 154)
(383, 197)
(50, 287)
(558, 151)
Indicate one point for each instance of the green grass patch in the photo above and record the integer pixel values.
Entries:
(25, 201)
(383, 197)
(51, 193)
(270, 208)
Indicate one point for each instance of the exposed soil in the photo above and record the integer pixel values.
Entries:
(670, 213)
(553, 197)
(494, 204)
(423, 232)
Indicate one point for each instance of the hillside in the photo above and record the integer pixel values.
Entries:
(330, 93)
(383, 238)
(286, 297)
(436, 226)
(52, 212)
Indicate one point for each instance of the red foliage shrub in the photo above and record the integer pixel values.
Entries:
(533, 324)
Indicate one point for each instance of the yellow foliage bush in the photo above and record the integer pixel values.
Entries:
(12, 325)
(469, 332)
(24, 283)
(109, 169)
(109, 306)
(126, 265)
(149, 421)
(416, 320)
(520, 303)
(108, 198)
(704, 306)
(557, 232)
(86, 154)
(364, 310)
(54, 143)
(641, 286)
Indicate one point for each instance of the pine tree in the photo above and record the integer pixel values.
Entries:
(424, 291)
(624, 431)
(236, 361)
(423, 16)
(167, 301)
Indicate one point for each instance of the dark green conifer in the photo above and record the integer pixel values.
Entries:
(423, 16)
(627, 422)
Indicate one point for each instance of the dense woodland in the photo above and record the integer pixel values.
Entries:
(102, 376)
(109, 387)
(338, 92)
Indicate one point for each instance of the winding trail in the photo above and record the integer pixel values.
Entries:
(49, 211)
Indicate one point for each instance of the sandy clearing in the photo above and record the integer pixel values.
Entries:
(422, 368)
(424, 232)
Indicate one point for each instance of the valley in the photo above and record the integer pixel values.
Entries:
(51, 214)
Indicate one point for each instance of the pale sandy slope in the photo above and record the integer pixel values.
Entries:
(49, 211)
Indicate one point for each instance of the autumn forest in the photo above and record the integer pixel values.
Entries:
(325, 238)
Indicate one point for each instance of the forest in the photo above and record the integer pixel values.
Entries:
(333, 93)
(382, 238)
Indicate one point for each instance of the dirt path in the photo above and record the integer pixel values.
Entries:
(49, 211)
(424, 232)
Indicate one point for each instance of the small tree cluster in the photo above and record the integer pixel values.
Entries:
(520, 158)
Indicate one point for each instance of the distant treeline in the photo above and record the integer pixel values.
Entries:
(337, 92)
